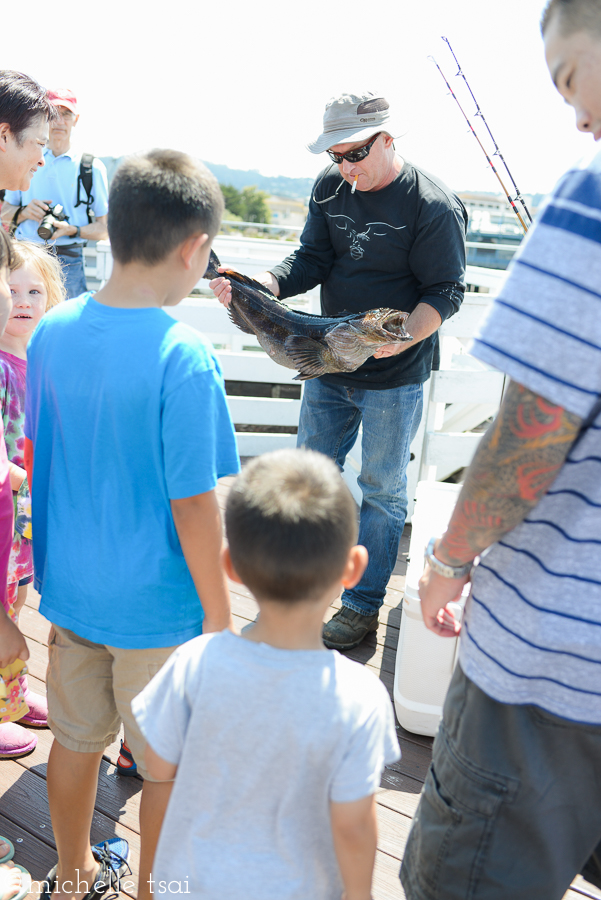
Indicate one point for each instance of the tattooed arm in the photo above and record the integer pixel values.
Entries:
(514, 467)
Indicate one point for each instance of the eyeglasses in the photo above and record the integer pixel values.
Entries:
(354, 156)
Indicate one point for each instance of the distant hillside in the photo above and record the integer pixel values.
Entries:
(278, 185)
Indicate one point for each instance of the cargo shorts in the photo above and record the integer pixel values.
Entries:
(511, 805)
(90, 688)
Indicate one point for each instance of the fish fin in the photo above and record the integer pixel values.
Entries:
(239, 278)
(307, 356)
(303, 377)
(212, 266)
(238, 320)
(232, 275)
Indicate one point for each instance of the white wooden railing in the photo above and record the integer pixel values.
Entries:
(457, 399)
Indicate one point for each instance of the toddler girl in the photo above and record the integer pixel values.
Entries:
(36, 284)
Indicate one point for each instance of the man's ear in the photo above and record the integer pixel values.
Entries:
(4, 133)
(190, 247)
(228, 566)
(75, 121)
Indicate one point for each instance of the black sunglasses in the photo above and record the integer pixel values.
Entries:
(354, 156)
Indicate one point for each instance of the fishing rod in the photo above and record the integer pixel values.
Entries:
(510, 199)
(497, 152)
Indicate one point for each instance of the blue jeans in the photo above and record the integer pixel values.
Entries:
(75, 279)
(329, 421)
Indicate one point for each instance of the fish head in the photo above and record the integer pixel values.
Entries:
(212, 266)
(382, 326)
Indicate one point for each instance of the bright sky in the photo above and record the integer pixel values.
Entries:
(245, 83)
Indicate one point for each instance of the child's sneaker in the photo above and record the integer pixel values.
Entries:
(112, 855)
(115, 851)
(37, 717)
(126, 764)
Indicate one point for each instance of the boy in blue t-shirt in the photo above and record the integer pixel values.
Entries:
(127, 432)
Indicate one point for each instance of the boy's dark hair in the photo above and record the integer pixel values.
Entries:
(7, 257)
(290, 522)
(157, 200)
(574, 15)
(21, 101)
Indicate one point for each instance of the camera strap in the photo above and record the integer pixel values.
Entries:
(14, 224)
(85, 179)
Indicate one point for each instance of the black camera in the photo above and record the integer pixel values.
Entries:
(46, 227)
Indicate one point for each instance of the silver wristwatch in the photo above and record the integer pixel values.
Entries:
(442, 568)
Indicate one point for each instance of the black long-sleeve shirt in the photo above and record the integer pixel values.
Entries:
(396, 247)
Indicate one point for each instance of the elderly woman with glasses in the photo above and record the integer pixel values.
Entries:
(63, 183)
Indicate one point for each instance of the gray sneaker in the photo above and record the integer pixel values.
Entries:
(347, 628)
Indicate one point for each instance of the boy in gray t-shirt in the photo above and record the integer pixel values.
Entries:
(276, 744)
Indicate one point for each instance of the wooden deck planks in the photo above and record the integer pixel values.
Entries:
(24, 815)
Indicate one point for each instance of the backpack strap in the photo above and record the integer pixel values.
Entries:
(85, 179)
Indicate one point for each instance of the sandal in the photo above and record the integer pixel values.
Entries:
(6, 878)
(11, 850)
(126, 764)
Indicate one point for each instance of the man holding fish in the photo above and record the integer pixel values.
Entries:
(380, 233)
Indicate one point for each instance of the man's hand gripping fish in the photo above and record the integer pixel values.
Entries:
(312, 344)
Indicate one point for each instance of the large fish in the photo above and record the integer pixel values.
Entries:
(312, 344)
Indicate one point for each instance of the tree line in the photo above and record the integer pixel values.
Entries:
(247, 205)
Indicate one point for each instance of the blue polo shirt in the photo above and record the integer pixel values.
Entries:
(126, 411)
(57, 181)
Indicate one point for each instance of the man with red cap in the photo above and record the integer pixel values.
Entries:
(61, 182)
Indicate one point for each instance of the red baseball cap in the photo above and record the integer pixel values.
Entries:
(64, 97)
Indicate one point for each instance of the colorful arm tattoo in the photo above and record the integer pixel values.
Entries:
(514, 467)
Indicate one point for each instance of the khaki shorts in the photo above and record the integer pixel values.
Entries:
(90, 688)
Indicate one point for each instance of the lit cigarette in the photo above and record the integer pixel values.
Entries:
(354, 184)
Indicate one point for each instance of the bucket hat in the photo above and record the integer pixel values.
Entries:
(349, 118)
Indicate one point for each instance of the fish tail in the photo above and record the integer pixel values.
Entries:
(213, 266)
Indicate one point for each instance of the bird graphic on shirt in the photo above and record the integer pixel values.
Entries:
(358, 238)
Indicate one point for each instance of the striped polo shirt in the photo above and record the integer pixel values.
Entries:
(532, 630)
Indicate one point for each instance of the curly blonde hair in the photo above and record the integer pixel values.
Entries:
(47, 265)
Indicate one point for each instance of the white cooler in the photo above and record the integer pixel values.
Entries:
(424, 660)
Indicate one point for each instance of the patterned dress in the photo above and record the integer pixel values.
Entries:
(12, 404)
(13, 705)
